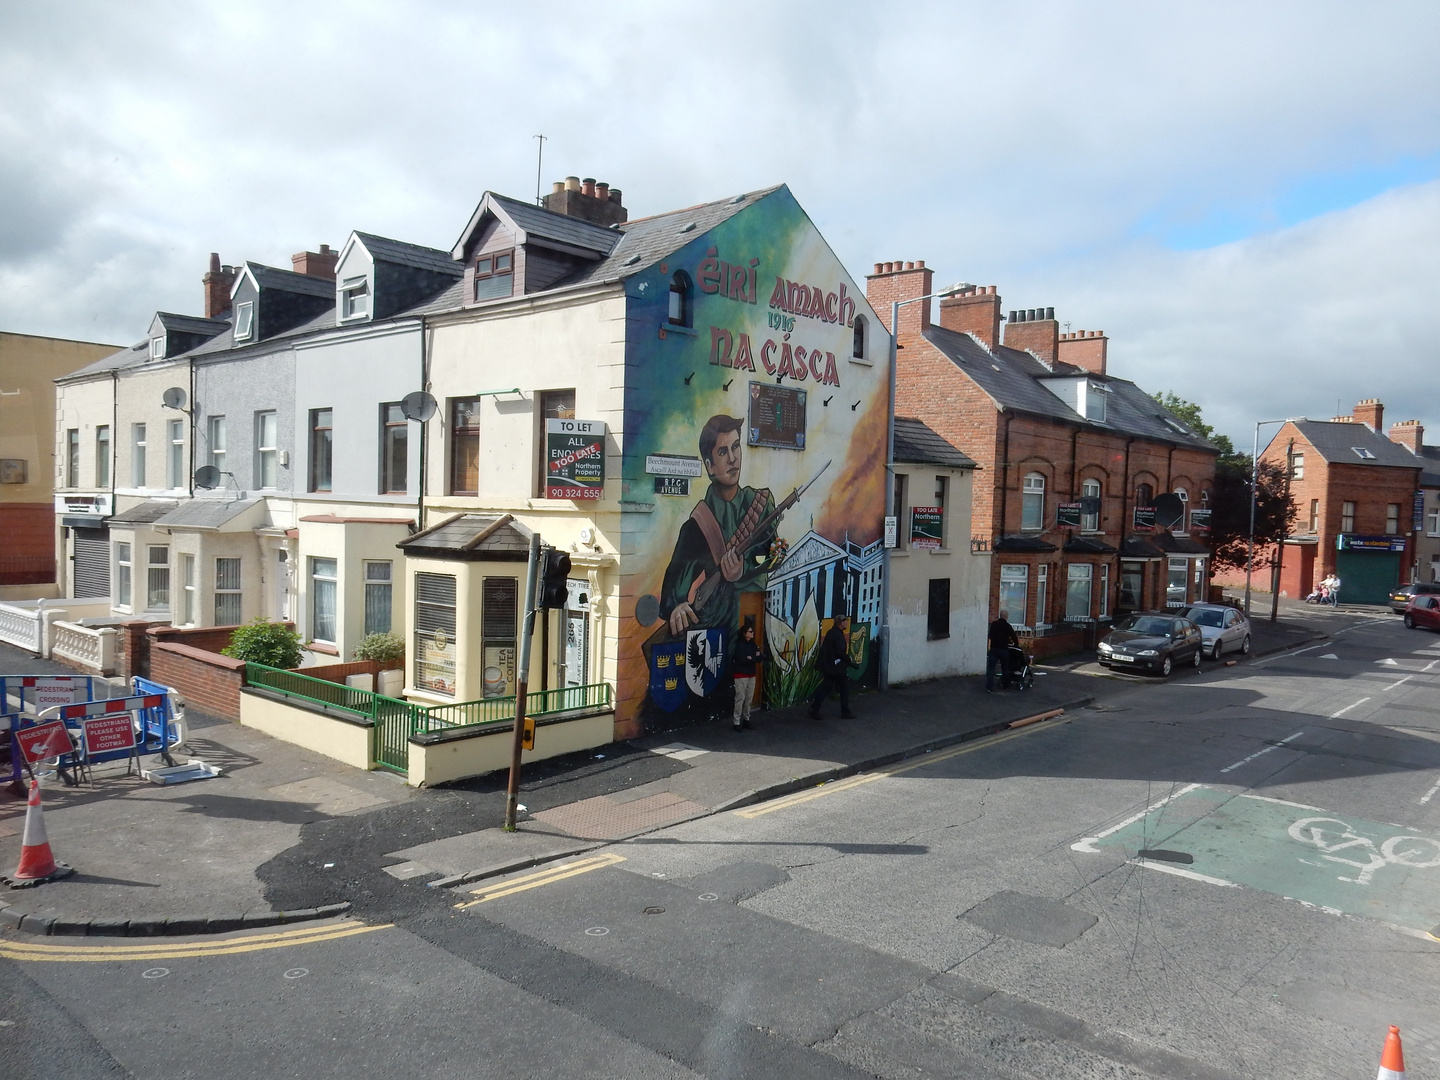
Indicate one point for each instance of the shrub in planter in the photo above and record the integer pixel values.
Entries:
(388, 649)
(262, 642)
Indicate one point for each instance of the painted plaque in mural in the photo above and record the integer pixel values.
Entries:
(927, 527)
(574, 459)
(1067, 515)
(777, 416)
(499, 671)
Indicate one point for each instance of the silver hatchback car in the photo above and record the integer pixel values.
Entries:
(1224, 628)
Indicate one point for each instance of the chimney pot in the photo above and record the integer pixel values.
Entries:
(557, 187)
(587, 186)
(879, 267)
(217, 282)
(615, 195)
(214, 262)
(572, 183)
(920, 264)
(602, 191)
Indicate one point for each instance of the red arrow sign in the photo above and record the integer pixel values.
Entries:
(43, 741)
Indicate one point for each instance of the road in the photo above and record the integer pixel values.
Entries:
(984, 911)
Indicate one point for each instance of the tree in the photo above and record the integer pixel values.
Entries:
(1188, 413)
(1230, 511)
(261, 642)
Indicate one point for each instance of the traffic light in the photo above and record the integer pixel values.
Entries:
(554, 579)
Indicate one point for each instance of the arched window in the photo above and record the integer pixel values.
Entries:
(680, 293)
(1090, 506)
(1144, 495)
(1032, 503)
(857, 349)
(1182, 494)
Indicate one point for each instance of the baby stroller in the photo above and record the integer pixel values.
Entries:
(1319, 596)
(1018, 672)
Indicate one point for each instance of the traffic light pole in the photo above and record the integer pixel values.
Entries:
(512, 790)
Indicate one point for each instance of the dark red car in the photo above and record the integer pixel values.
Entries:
(1424, 612)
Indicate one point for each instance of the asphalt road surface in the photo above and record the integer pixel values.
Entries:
(985, 911)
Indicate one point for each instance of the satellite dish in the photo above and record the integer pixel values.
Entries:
(174, 398)
(207, 477)
(1169, 510)
(417, 406)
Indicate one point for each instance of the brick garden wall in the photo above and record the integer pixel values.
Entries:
(208, 681)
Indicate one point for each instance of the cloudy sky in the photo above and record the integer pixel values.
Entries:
(1246, 197)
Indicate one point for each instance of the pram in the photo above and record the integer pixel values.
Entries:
(1018, 671)
(1319, 596)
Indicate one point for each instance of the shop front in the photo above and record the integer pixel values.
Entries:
(1368, 566)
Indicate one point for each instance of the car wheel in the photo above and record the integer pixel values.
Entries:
(1409, 622)
(1245, 646)
(1166, 666)
(1215, 649)
(1197, 658)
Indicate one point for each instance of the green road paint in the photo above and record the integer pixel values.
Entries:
(1340, 863)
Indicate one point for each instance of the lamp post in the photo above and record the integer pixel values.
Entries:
(895, 306)
(1254, 483)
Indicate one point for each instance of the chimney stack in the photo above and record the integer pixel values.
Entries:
(218, 281)
(319, 264)
(1085, 349)
(1034, 329)
(974, 311)
(1409, 434)
(1370, 412)
(589, 200)
(894, 281)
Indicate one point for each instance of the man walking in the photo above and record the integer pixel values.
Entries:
(832, 663)
(1002, 636)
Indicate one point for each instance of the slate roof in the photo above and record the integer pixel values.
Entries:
(918, 444)
(383, 249)
(1015, 380)
(1137, 547)
(1178, 545)
(191, 324)
(1024, 544)
(1430, 462)
(135, 354)
(270, 277)
(145, 513)
(472, 537)
(224, 342)
(1334, 442)
(1087, 545)
(562, 228)
(206, 513)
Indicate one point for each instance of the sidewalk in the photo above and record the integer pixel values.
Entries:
(285, 824)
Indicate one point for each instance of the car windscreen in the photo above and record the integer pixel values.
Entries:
(1206, 616)
(1152, 625)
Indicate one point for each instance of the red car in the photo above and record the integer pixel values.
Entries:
(1423, 611)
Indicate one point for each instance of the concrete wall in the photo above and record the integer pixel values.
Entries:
(335, 738)
(440, 761)
(913, 655)
(237, 390)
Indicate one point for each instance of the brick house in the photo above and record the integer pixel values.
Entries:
(1095, 498)
(1354, 490)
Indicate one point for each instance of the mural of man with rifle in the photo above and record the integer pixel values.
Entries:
(722, 547)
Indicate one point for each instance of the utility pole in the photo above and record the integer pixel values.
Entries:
(512, 790)
(539, 157)
(1280, 548)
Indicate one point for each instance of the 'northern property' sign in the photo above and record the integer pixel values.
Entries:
(574, 459)
(927, 527)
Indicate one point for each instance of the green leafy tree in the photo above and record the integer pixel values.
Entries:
(262, 642)
(1188, 413)
(1230, 511)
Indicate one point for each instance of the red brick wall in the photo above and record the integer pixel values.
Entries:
(208, 638)
(209, 682)
(1040, 336)
(28, 554)
(339, 672)
(1084, 348)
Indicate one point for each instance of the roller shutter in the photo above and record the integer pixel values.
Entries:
(92, 562)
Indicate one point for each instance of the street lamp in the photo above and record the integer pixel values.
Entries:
(895, 306)
(1255, 483)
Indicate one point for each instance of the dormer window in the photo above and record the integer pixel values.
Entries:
(680, 293)
(355, 298)
(244, 319)
(495, 275)
(1095, 401)
(157, 348)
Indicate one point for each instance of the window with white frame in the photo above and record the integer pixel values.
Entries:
(122, 574)
(215, 436)
(377, 597)
(1015, 592)
(1392, 518)
(1347, 517)
(1095, 401)
(157, 348)
(244, 320)
(1032, 503)
(176, 434)
(1183, 528)
(157, 578)
(394, 449)
(354, 298)
(322, 448)
(1297, 466)
(1078, 579)
(1042, 595)
(1432, 522)
(434, 600)
(1090, 509)
(227, 592)
(1104, 590)
(188, 604)
(267, 434)
(1314, 516)
(102, 456)
(72, 457)
(682, 291)
(137, 455)
(323, 594)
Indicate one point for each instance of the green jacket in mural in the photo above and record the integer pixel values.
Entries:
(693, 557)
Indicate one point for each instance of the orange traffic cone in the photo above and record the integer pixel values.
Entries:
(37, 864)
(1392, 1060)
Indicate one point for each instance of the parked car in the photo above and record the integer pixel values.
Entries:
(1400, 598)
(1224, 628)
(1423, 612)
(1152, 641)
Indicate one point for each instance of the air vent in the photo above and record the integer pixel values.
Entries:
(738, 199)
(1363, 453)
(631, 261)
(688, 228)
(1177, 426)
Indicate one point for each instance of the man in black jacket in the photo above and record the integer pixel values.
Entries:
(832, 662)
(1002, 636)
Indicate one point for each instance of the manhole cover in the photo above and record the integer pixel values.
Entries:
(654, 911)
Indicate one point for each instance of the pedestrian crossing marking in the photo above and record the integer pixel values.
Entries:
(558, 872)
(21, 950)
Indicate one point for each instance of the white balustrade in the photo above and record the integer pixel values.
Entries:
(21, 625)
(91, 648)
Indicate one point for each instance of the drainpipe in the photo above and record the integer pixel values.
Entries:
(424, 425)
(190, 481)
(1125, 515)
(1005, 476)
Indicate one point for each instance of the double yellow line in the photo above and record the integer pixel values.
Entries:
(924, 760)
(557, 872)
(307, 935)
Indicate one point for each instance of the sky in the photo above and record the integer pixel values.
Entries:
(1244, 197)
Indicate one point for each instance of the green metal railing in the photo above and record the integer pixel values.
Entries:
(394, 721)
